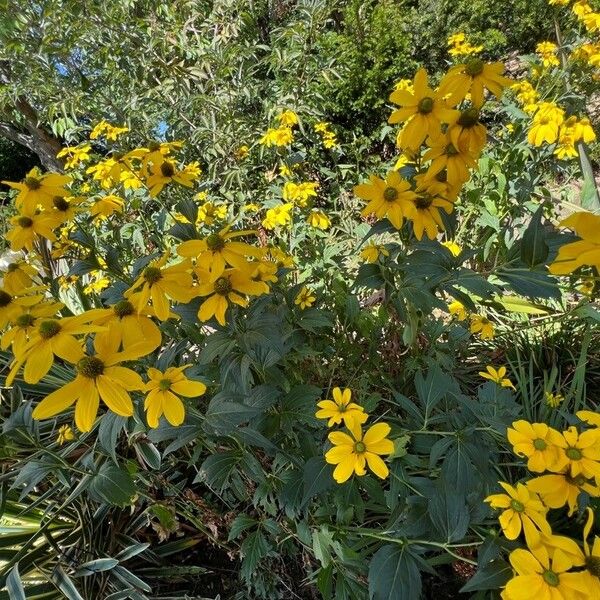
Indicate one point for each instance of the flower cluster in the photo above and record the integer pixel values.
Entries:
(352, 452)
(328, 137)
(282, 135)
(566, 465)
(459, 46)
(442, 137)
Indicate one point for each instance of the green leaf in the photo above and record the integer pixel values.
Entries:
(109, 430)
(113, 484)
(14, 586)
(239, 525)
(449, 514)
(216, 469)
(65, 585)
(253, 549)
(532, 284)
(590, 198)
(534, 249)
(394, 574)
(318, 477)
(492, 576)
(95, 566)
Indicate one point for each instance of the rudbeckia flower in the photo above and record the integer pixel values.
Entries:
(50, 338)
(352, 453)
(424, 109)
(372, 252)
(228, 286)
(341, 409)
(538, 576)
(37, 189)
(583, 453)
(560, 489)
(546, 124)
(391, 198)
(426, 218)
(592, 557)
(65, 434)
(164, 390)
(166, 172)
(467, 133)
(483, 326)
(318, 219)
(473, 77)
(457, 309)
(497, 376)
(521, 511)
(18, 276)
(305, 298)
(445, 156)
(585, 251)
(28, 225)
(219, 250)
(106, 206)
(159, 283)
(539, 443)
(13, 304)
(99, 377)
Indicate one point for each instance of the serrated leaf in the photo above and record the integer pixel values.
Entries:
(113, 484)
(394, 574)
(491, 576)
(318, 477)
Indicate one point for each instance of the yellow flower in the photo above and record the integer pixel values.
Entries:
(167, 172)
(497, 376)
(352, 454)
(13, 303)
(560, 489)
(318, 219)
(341, 409)
(99, 377)
(288, 118)
(565, 148)
(164, 390)
(278, 216)
(538, 576)
(372, 252)
(547, 52)
(582, 450)
(242, 152)
(405, 85)
(458, 310)
(110, 132)
(281, 258)
(106, 206)
(424, 109)
(225, 288)
(539, 443)
(281, 136)
(483, 326)
(75, 155)
(27, 226)
(159, 283)
(127, 327)
(426, 218)
(445, 156)
(299, 193)
(553, 400)
(329, 140)
(522, 511)
(467, 133)
(473, 77)
(546, 124)
(209, 212)
(18, 275)
(305, 298)
(251, 207)
(218, 250)
(589, 417)
(585, 251)
(391, 198)
(592, 557)
(453, 247)
(37, 189)
(321, 127)
(65, 434)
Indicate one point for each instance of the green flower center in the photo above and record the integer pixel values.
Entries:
(451, 150)
(425, 105)
(90, 367)
(551, 578)
(469, 117)
(152, 275)
(474, 67)
(25, 222)
(164, 384)
(592, 564)
(5, 299)
(424, 201)
(60, 203)
(124, 308)
(49, 329)
(577, 481)
(12, 267)
(517, 506)
(484, 321)
(117, 155)
(223, 286)
(25, 320)
(360, 447)
(33, 183)
(167, 169)
(539, 444)
(153, 146)
(390, 194)
(215, 242)
(442, 176)
(573, 453)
